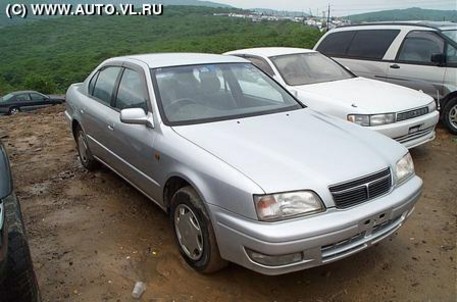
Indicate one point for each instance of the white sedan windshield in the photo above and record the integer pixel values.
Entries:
(212, 92)
(309, 68)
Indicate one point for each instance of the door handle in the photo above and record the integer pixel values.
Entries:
(110, 127)
(395, 66)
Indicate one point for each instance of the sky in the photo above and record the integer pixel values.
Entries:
(341, 7)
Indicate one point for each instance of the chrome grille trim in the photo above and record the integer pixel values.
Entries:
(401, 116)
(361, 190)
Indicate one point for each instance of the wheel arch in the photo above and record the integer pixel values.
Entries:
(444, 100)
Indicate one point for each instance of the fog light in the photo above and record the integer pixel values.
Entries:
(274, 260)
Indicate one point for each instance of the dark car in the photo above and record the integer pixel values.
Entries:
(17, 278)
(17, 101)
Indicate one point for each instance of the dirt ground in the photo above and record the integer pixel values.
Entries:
(92, 236)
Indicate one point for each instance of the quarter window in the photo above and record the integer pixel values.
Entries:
(104, 87)
(336, 44)
(132, 91)
(419, 46)
(262, 64)
(37, 97)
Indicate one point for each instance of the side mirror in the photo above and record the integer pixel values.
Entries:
(438, 58)
(137, 116)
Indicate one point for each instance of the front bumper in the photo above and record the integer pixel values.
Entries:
(321, 238)
(411, 132)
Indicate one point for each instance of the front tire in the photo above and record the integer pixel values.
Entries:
(450, 115)
(13, 110)
(194, 233)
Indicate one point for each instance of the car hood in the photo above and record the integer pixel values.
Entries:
(367, 96)
(295, 150)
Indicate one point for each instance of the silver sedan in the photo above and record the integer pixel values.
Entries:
(246, 172)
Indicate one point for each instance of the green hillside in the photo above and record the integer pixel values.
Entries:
(414, 13)
(51, 54)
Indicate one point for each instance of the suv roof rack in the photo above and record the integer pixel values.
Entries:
(421, 23)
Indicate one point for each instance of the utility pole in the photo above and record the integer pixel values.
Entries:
(328, 17)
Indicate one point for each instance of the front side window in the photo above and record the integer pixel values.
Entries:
(23, 97)
(309, 68)
(104, 87)
(419, 46)
(212, 92)
(451, 55)
(131, 92)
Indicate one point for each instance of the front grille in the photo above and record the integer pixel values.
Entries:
(411, 114)
(361, 190)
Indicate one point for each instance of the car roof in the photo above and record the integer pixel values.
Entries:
(24, 91)
(270, 51)
(157, 60)
(436, 25)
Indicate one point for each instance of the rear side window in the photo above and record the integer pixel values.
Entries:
(336, 44)
(363, 44)
(419, 46)
(104, 87)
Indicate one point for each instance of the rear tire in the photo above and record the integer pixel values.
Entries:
(85, 156)
(194, 233)
(450, 115)
(20, 283)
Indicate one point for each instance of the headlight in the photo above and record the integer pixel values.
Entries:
(287, 205)
(431, 106)
(404, 169)
(372, 119)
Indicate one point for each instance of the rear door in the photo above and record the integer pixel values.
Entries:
(96, 112)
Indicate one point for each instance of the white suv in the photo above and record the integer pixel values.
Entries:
(419, 55)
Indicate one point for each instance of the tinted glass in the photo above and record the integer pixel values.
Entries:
(419, 46)
(336, 44)
(104, 86)
(451, 34)
(132, 91)
(6, 98)
(23, 97)
(37, 97)
(309, 68)
(371, 44)
(262, 64)
(211, 92)
(92, 83)
(451, 55)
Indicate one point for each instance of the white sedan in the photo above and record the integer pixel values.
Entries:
(406, 115)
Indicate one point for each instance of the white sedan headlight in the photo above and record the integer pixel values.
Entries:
(431, 106)
(404, 169)
(372, 119)
(287, 205)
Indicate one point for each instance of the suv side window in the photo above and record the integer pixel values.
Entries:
(104, 87)
(336, 44)
(451, 55)
(371, 44)
(131, 92)
(419, 46)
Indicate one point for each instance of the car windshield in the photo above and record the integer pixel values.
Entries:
(309, 68)
(213, 92)
(6, 98)
(451, 34)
